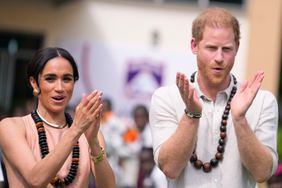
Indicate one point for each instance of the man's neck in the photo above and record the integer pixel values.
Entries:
(211, 90)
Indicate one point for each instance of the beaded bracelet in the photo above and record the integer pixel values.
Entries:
(98, 157)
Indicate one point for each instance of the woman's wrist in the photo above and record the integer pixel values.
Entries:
(76, 129)
(97, 156)
(95, 146)
(74, 133)
(94, 142)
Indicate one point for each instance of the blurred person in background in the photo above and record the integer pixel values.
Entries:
(130, 157)
(140, 116)
(135, 137)
(148, 174)
(213, 131)
(146, 167)
(49, 148)
(113, 129)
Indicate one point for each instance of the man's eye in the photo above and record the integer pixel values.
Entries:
(227, 49)
(211, 48)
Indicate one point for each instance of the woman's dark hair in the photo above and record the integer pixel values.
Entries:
(42, 56)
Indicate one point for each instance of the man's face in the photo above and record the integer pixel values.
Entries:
(215, 55)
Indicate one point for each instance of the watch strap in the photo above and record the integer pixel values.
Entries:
(195, 115)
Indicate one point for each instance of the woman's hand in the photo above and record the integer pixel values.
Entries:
(88, 114)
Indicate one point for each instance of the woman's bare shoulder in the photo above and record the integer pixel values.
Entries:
(11, 132)
(11, 123)
(11, 120)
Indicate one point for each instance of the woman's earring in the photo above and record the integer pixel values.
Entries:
(36, 92)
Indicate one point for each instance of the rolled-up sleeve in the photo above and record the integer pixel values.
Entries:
(267, 125)
(163, 116)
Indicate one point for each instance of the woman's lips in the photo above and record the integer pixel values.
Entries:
(58, 99)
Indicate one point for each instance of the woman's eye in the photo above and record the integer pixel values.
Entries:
(68, 79)
(49, 78)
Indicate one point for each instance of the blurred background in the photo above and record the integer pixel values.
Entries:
(128, 48)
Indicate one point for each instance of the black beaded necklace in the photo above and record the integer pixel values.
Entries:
(207, 167)
(56, 181)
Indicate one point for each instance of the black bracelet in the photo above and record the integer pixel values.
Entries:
(195, 115)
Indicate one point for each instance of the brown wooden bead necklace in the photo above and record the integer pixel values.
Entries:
(44, 149)
(207, 167)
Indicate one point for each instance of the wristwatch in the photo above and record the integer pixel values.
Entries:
(195, 115)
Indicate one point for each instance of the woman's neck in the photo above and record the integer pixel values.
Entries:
(52, 118)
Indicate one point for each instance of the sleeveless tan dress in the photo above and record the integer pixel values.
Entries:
(53, 137)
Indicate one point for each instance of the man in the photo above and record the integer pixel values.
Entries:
(205, 135)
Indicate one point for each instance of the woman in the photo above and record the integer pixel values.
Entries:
(48, 148)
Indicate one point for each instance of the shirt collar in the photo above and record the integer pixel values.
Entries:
(199, 93)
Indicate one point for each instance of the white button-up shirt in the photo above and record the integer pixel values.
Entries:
(166, 111)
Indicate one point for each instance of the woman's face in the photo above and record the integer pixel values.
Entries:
(56, 83)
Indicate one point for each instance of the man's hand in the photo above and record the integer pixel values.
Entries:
(245, 96)
(188, 93)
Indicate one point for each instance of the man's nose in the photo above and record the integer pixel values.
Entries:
(219, 56)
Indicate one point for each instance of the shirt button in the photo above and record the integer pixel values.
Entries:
(215, 180)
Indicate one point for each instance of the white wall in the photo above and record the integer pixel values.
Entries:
(124, 31)
(119, 32)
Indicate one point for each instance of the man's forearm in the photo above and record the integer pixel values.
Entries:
(254, 155)
(176, 151)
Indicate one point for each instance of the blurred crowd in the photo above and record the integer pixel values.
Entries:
(129, 148)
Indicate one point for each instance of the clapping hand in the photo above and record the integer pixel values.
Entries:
(245, 96)
(188, 93)
(88, 114)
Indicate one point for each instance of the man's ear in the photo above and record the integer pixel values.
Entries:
(194, 46)
(238, 44)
